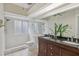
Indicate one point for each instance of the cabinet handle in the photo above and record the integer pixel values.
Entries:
(51, 48)
(51, 53)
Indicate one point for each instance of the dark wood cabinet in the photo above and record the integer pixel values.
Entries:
(65, 52)
(50, 48)
(42, 47)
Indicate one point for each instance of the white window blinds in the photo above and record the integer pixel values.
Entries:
(21, 27)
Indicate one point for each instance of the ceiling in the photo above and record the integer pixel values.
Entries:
(32, 7)
(43, 10)
(25, 5)
(36, 9)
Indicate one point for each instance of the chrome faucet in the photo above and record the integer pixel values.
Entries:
(68, 39)
(77, 39)
(72, 38)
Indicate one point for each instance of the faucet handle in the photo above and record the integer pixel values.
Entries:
(76, 40)
(68, 39)
(72, 38)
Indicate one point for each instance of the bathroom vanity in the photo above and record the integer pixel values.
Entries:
(52, 47)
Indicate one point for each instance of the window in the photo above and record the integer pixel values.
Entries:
(37, 27)
(21, 26)
(33, 27)
(18, 26)
(40, 28)
(25, 27)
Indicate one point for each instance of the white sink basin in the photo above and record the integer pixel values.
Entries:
(72, 43)
(46, 37)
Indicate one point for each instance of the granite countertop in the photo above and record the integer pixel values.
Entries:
(72, 44)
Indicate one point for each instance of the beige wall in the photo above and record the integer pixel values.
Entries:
(2, 37)
(68, 17)
(9, 7)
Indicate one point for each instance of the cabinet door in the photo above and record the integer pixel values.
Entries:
(53, 50)
(56, 50)
(50, 50)
(42, 48)
(65, 52)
